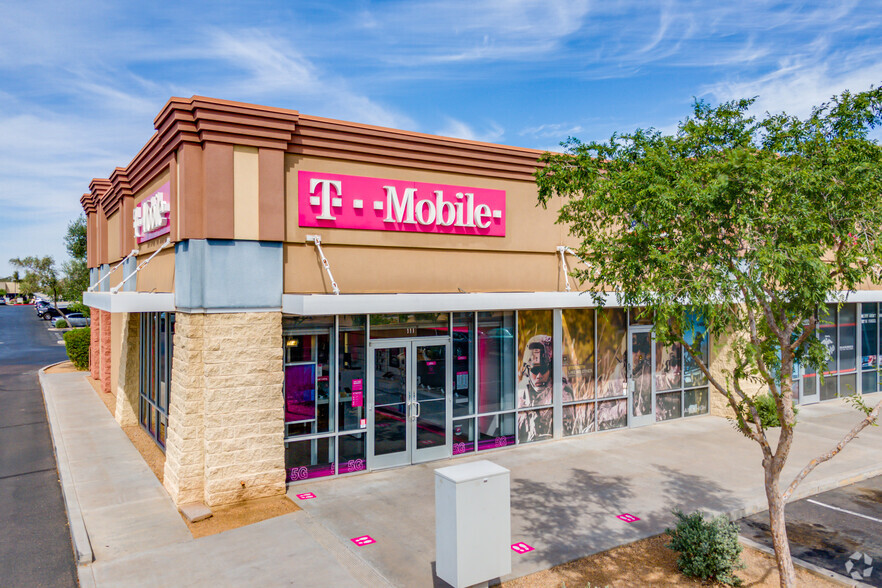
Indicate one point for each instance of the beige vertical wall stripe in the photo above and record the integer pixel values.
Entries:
(246, 178)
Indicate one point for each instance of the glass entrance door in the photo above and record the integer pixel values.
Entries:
(640, 381)
(409, 398)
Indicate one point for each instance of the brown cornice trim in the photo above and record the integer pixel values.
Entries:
(335, 139)
(88, 203)
(202, 120)
(119, 188)
(99, 188)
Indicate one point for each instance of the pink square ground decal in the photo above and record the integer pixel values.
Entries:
(363, 540)
(306, 496)
(521, 547)
(628, 518)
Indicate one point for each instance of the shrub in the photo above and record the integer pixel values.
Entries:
(766, 409)
(79, 307)
(77, 343)
(708, 549)
(61, 324)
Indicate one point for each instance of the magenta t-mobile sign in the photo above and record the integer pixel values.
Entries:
(374, 204)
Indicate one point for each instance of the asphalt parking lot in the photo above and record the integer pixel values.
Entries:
(839, 530)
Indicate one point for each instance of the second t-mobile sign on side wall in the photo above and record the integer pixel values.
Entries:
(356, 202)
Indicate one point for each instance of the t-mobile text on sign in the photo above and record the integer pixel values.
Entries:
(374, 204)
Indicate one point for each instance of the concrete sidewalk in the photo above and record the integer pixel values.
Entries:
(122, 518)
(565, 498)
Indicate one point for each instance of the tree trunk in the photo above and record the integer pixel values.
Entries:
(777, 525)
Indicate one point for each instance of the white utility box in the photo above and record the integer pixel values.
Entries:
(472, 523)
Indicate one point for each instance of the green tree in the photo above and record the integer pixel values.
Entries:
(752, 224)
(40, 275)
(75, 270)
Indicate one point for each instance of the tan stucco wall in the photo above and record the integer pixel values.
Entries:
(150, 188)
(246, 182)
(159, 274)
(526, 259)
(113, 236)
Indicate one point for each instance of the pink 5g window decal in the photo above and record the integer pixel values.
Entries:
(374, 204)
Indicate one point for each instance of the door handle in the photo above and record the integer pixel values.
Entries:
(418, 411)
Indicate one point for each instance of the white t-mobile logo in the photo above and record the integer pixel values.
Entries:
(325, 199)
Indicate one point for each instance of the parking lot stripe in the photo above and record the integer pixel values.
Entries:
(857, 514)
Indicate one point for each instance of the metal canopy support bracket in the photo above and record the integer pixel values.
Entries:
(317, 241)
(563, 250)
(119, 286)
(563, 265)
(98, 283)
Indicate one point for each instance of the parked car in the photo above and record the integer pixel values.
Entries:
(50, 313)
(74, 319)
(2, 301)
(40, 306)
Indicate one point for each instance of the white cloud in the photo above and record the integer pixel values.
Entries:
(262, 65)
(459, 129)
(797, 85)
(463, 31)
(552, 130)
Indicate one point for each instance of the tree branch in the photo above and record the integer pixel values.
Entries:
(867, 421)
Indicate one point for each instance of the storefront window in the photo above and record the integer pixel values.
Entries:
(827, 333)
(463, 364)
(695, 401)
(578, 354)
(353, 456)
(847, 350)
(351, 366)
(692, 374)
(463, 436)
(310, 458)
(869, 346)
(496, 431)
(578, 418)
(495, 381)
(612, 346)
(612, 414)
(578, 328)
(393, 326)
(535, 374)
(156, 349)
(496, 390)
(309, 379)
(668, 406)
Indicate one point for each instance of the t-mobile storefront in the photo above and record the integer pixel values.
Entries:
(281, 297)
(386, 390)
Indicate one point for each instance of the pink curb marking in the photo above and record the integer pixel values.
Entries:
(363, 540)
(628, 518)
(306, 496)
(521, 547)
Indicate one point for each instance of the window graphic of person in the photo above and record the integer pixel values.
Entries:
(535, 386)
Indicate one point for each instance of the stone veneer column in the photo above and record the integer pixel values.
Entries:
(129, 376)
(184, 451)
(244, 413)
(104, 345)
(720, 365)
(226, 417)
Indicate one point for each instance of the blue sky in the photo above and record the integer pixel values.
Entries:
(80, 82)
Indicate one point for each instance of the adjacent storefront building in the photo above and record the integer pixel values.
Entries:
(279, 297)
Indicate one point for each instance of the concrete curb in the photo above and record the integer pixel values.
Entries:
(816, 570)
(78, 533)
(805, 490)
